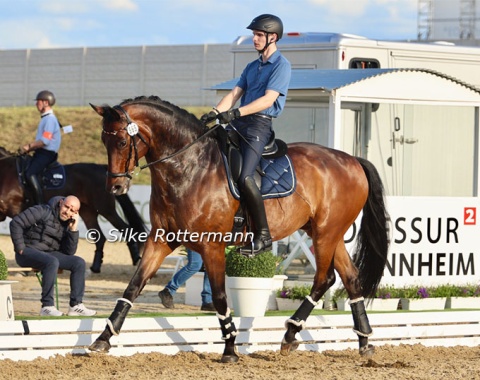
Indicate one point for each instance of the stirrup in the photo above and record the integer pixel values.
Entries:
(262, 246)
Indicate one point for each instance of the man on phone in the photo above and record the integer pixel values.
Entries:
(46, 237)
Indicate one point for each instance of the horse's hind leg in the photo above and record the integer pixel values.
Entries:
(324, 279)
(349, 275)
(153, 257)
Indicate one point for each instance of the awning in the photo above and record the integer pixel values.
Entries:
(421, 86)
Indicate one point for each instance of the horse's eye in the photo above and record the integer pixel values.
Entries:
(122, 144)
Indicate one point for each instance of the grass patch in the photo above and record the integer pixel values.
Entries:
(18, 126)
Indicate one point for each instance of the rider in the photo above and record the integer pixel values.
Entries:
(46, 144)
(262, 88)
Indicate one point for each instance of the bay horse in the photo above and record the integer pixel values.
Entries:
(87, 182)
(190, 194)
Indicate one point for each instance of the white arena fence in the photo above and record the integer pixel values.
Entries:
(27, 340)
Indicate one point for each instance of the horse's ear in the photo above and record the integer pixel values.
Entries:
(106, 112)
(98, 109)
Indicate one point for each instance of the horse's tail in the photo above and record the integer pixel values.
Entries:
(372, 241)
(131, 213)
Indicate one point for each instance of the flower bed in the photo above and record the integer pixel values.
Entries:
(290, 298)
(436, 297)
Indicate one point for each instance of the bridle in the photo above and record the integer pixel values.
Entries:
(133, 130)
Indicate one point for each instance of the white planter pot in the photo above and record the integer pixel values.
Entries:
(463, 303)
(433, 303)
(289, 304)
(193, 289)
(278, 281)
(342, 304)
(6, 301)
(249, 295)
(381, 304)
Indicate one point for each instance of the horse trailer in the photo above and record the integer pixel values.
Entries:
(413, 110)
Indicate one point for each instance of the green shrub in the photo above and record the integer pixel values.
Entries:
(238, 265)
(339, 293)
(3, 267)
(297, 292)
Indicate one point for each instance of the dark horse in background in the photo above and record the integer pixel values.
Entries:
(190, 193)
(87, 182)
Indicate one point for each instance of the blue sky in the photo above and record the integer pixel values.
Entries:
(39, 24)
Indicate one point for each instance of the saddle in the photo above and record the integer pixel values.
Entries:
(52, 178)
(274, 176)
(229, 143)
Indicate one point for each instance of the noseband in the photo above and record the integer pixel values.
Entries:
(132, 130)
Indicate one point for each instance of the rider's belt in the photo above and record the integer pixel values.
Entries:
(263, 116)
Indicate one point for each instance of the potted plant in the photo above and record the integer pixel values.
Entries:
(249, 281)
(340, 298)
(3, 267)
(423, 298)
(6, 312)
(386, 299)
(463, 297)
(290, 298)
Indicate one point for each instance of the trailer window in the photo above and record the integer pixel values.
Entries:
(364, 63)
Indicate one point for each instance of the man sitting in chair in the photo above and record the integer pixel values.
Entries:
(46, 237)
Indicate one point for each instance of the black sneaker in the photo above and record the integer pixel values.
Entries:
(208, 307)
(167, 299)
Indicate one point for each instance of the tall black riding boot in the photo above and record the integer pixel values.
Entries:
(262, 241)
(36, 188)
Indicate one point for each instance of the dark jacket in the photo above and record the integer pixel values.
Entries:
(40, 227)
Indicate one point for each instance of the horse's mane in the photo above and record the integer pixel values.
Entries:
(5, 153)
(168, 108)
(182, 125)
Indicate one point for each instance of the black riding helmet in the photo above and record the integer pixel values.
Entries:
(46, 95)
(269, 24)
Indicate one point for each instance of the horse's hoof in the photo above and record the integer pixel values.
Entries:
(229, 358)
(100, 346)
(95, 269)
(286, 348)
(367, 351)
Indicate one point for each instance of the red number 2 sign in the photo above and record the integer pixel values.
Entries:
(470, 215)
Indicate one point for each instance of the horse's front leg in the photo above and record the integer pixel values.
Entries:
(214, 261)
(152, 259)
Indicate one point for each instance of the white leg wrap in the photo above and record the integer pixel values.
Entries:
(110, 326)
(126, 301)
(300, 323)
(223, 317)
(227, 325)
(311, 301)
(356, 300)
(362, 334)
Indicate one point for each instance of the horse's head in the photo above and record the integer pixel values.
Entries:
(125, 141)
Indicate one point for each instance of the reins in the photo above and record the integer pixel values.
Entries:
(133, 130)
(181, 150)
